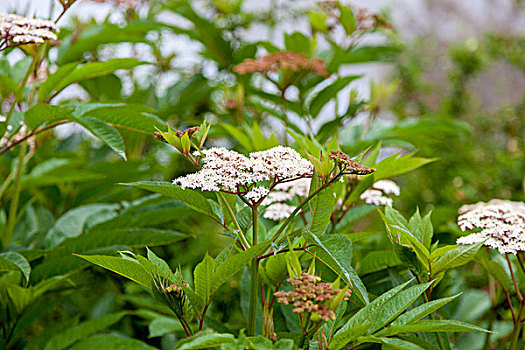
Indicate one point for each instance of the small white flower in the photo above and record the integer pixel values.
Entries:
(257, 193)
(21, 30)
(375, 195)
(278, 211)
(503, 224)
(229, 171)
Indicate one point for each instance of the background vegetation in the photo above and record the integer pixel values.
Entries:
(427, 126)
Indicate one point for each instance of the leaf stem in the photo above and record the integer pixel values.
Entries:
(520, 297)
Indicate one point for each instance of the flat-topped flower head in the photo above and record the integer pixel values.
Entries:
(229, 171)
(376, 194)
(277, 61)
(502, 223)
(17, 30)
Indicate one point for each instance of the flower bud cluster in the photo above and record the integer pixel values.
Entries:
(503, 224)
(350, 166)
(17, 30)
(376, 194)
(310, 295)
(277, 61)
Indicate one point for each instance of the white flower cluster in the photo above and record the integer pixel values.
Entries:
(375, 195)
(229, 171)
(503, 224)
(22, 30)
(281, 193)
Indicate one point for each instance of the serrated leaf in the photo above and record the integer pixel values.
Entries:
(203, 277)
(162, 267)
(423, 310)
(458, 256)
(321, 207)
(377, 261)
(397, 165)
(346, 272)
(105, 133)
(71, 335)
(342, 338)
(45, 89)
(96, 69)
(41, 113)
(138, 118)
(127, 268)
(235, 263)
(365, 313)
(396, 305)
(426, 326)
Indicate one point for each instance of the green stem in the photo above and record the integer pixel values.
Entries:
(11, 220)
(517, 327)
(241, 236)
(254, 279)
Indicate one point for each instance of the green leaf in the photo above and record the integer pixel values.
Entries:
(191, 198)
(71, 335)
(347, 19)
(206, 341)
(72, 223)
(109, 341)
(138, 118)
(377, 261)
(397, 165)
(497, 272)
(342, 338)
(41, 113)
(321, 207)
(235, 263)
(399, 344)
(460, 255)
(426, 326)
(396, 305)
(423, 310)
(365, 313)
(328, 93)
(12, 261)
(95, 69)
(124, 267)
(162, 268)
(297, 42)
(203, 277)
(355, 214)
(161, 326)
(45, 89)
(344, 271)
(105, 133)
